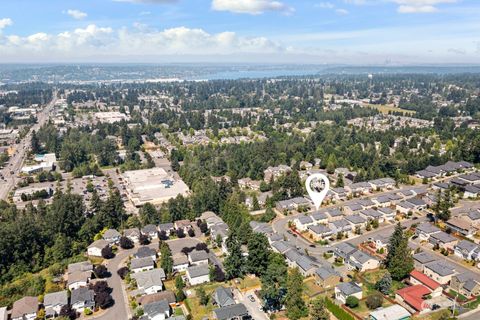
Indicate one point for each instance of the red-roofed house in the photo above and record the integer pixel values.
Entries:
(414, 297)
(417, 277)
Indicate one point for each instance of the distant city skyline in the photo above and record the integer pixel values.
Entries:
(381, 32)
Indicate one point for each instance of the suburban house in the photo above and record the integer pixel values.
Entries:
(388, 213)
(319, 217)
(414, 296)
(25, 309)
(425, 230)
(473, 217)
(344, 290)
(371, 214)
(150, 281)
(461, 226)
(361, 261)
(198, 257)
(231, 312)
(53, 303)
(154, 297)
(198, 274)
(145, 252)
(440, 271)
(223, 297)
(95, 249)
(417, 277)
(340, 226)
(141, 264)
(166, 227)
(305, 264)
(158, 310)
(150, 231)
(421, 259)
(334, 214)
(319, 231)
(82, 298)
(326, 277)
(78, 279)
(132, 234)
(185, 225)
(281, 246)
(467, 250)
(112, 236)
(180, 262)
(443, 240)
(467, 284)
(356, 221)
(394, 312)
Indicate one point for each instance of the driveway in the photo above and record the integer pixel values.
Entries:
(252, 307)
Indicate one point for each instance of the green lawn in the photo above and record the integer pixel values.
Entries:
(459, 296)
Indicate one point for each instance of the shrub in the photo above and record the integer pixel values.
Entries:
(352, 302)
(374, 301)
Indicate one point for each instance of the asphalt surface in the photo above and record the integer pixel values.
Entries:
(15, 162)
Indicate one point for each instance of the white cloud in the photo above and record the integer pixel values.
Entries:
(420, 6)
(5, 22)
(325, 5)
(342, 12)
(76, 14)
(253, 7)
(94, 41)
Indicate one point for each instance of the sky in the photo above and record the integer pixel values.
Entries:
(357, 32)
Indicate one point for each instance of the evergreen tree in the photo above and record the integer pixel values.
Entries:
(274, 282)
(166, 258)
(318, 310)
(294, 303)
(255, 204)
(401, 263)
(384, 283)
(35, 143)
(395, 240)
(258, 254)
(234, 263)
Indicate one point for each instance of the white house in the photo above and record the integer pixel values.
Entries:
(141, 264)
(198, 274)
(150, 281)
(95, 249)
(344, 290)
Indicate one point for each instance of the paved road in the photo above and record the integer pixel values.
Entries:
(15, 162)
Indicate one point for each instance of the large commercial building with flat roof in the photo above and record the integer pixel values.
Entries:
(152, 185)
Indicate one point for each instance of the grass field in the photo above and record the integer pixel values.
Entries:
(386, 108)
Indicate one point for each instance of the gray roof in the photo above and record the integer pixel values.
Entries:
(230, 312)
(334, 212)
(138, 263)
(150, 278)
(144, 252)
(320, 229)
(466, 245)
(371, 213)
(282, 246)
(441, 268)
(344, 249)
(474, 215)
(442, 237)
(416, 202)
(149, 228)
(198, 255)
(80, 266)
(361, 257)
(166, 226)
(156, 308)
(386, 210)
(341, 224)
(59, 298)
(132, 232)
(223, 297)
(111, 233)
(326, 272)
(100, 244)
(349, 288)
(355, 219)
(318, 215)
(198, 271)
(424, 257)
(82, 295)
(305, 219)
(427, 228)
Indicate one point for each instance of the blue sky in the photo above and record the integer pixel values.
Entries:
(301, 31)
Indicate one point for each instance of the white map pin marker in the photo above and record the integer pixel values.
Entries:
(317, 197)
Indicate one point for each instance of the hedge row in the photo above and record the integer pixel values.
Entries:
(337, 311)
